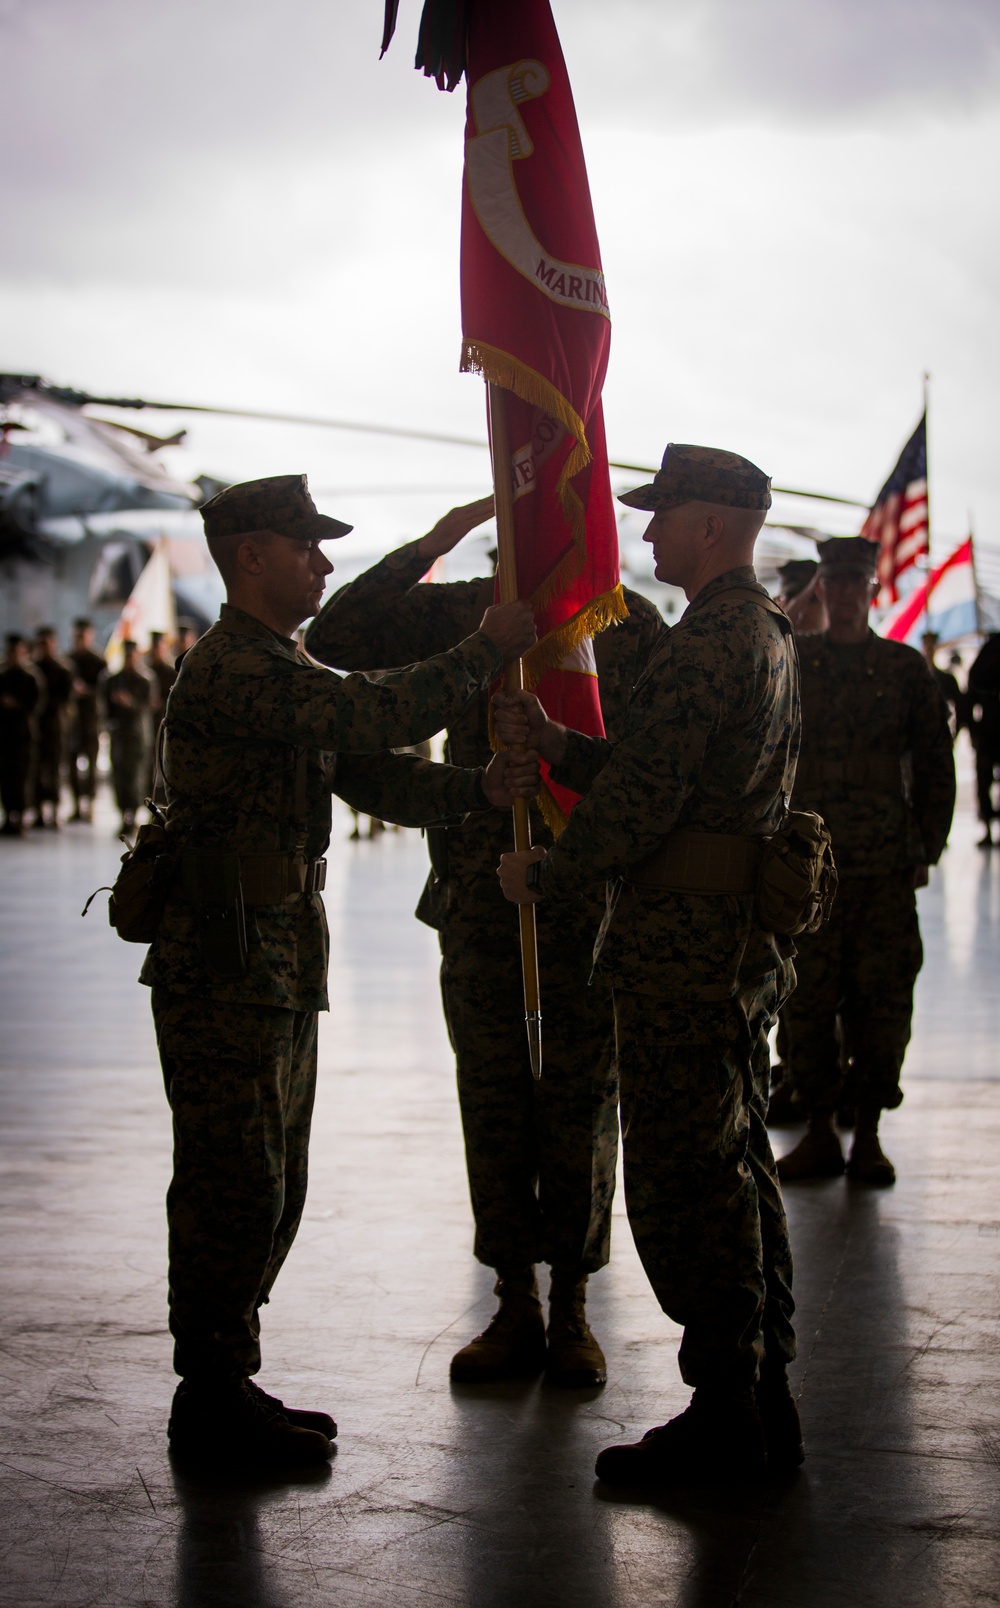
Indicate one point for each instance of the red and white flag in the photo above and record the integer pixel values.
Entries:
(898, 520)
(945, 602)
(535, 322)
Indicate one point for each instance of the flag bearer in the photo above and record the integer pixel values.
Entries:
(540, 1157)
(877, 764)
(673, 815)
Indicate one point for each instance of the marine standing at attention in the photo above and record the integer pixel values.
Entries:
(257, 736)
(49, 754)
(128, 699)
(877, 764)
(20, 691)
(673, 817)
(85, 727)
(540, 1156)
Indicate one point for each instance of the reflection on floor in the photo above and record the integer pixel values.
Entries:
(441, 1495)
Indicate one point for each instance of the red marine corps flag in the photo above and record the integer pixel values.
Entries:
(535, 324)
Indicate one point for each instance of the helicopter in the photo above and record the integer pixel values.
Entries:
(86, 501)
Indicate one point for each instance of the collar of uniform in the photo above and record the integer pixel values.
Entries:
(745, 575)
(242, 624)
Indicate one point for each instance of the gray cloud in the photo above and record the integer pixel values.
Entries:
(709, 63)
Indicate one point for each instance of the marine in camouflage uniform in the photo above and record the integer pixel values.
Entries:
(877, 764)
(983, 704)
(672, 816)
(163, 673)
(49, 753)
(20, 691)
(128, 697)
(541, 1156)
(85, 726)
(257, 738)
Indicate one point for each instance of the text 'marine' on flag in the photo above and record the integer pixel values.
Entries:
(898, 520)
(535, 321)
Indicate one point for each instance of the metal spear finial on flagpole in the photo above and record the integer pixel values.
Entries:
(513, 682)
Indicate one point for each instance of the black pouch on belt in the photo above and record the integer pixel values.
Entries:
(211, 881)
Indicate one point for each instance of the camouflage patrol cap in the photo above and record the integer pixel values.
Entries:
(280, 503)
(702, 474)
(796, 575)
(848, 554)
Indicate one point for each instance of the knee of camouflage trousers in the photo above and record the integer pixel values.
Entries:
(702, 1197)
(240, 1081)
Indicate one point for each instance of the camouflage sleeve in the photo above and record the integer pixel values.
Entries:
(408, 790)
(584, 759)
(385, 617)
(930, 745)
(637, 796)
(305, 705)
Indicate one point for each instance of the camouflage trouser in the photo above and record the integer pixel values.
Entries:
(128, 769)
(15, 767)
(987, 760)
(541, 1156)
(240, 1081)
(702, 1193)
(85, 742)
(862, 965)
(46, 781)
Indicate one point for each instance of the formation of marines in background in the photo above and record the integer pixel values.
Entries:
(54, 709)
(660, 984)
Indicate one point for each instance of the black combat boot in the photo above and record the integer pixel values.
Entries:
(513, 1343)
(575, 1360)
(868, 1161)
(718, 1440)
(300, 1416)
(817, 1154)
(779, 1419)
(221, 1422)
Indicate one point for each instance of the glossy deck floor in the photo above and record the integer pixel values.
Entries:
(440, 1496)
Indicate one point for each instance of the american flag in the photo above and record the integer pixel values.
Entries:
(898, 520)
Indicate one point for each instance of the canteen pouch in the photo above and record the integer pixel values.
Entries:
(210, 879)
(140, 888)
(797, 882)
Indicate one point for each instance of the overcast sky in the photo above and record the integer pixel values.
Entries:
(230, 201)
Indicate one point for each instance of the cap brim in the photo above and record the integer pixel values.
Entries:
(650, 498)
(328, 529)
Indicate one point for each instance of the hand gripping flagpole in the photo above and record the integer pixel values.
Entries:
(513, 682)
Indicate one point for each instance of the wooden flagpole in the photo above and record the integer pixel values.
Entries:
(513, 682)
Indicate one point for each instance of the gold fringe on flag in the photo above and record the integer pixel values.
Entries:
(608, 609)
(553, 816)
(499, 368)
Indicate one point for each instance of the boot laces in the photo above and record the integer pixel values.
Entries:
(267, 1408)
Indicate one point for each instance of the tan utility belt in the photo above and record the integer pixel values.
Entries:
(210, 876)
(701, 862)
(877, 773)
(272, 878)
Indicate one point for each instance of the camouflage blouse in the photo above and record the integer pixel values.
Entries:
(245, 703)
